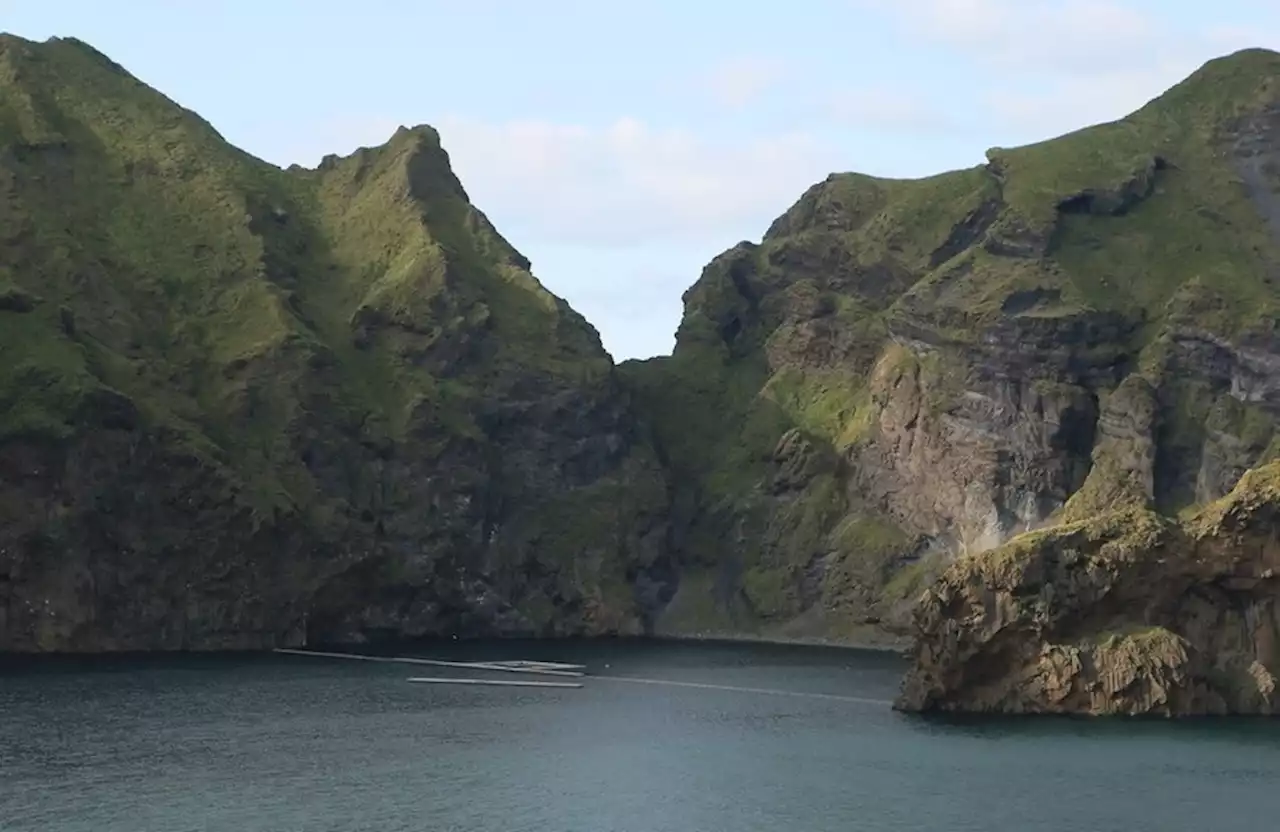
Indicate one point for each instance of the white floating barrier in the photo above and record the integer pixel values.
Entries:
(525, 663)
(538, 668)
(515, 683)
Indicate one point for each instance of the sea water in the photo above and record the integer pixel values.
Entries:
(754, 738)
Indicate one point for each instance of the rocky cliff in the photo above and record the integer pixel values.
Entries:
(243, 406)
(1125, 613)
(904, 379)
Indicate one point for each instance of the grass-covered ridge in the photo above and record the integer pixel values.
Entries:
(185, 260)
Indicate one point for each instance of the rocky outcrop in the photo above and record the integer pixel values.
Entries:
(974, 443)
(1127, 613)
(1122, 474)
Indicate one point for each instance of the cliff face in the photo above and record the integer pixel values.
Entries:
(242, 407)
(905, 376)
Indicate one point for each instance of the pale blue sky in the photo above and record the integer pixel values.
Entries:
(620, 145)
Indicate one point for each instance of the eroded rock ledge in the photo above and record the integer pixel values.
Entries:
(1126, 613)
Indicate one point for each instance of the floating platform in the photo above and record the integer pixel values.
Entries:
(514, 683)
(514, 666)
(523, 664)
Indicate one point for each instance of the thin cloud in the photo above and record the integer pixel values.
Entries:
(738, 82)
(1048, 35)
(885, 108)
(1051, 66)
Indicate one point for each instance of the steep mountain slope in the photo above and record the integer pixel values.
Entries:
(906, 372)
(241, 406)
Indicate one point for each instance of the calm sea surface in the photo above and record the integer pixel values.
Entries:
(270, 743)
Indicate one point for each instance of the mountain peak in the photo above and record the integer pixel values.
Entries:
(1236, 72)
(1222, 87)
(405, 140)
(418, 132)
(1251, 55)
(51, 47)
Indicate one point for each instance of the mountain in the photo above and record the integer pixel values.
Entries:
(1038, 361)
(243, 406)
(1022, 417)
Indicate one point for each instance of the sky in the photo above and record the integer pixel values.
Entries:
(621, 144)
